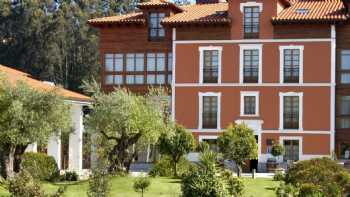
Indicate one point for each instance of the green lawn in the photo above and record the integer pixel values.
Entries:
(160, 187)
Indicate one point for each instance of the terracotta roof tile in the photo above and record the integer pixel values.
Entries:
(134, 18)
(14, 76)
(200, 13)
(158, 3)
(312, 10)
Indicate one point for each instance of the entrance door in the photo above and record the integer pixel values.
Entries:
(291, 150)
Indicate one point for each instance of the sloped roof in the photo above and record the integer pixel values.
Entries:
(313, 11)
(158, 3)
(200, 13)
(131, 18)
(14, 76)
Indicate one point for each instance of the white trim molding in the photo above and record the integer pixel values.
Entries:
(173, 80)
(241, 60)
(284, 94)
(256, 95)
(251, 4)
(201, 61)
(254, 85)
(300, 139)
(200, 111)
(333, 81)
(301, 61)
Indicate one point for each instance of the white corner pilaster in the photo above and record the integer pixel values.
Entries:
(76, 139)
(54, 149)
(32, 148)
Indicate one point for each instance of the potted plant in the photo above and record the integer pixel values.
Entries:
(272, 163)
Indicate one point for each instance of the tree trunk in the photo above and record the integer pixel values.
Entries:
(175, 169)
(239, 170)
(9, 162)
(18, 157)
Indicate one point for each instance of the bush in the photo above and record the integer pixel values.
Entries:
(279, 176)
(69, 176)
(164, 167)
(322, 173)
(310, 190)
(141, 184)
(277, 150)
(99, 185)
(234, 184)
(286, 190)
(40, 166)
(23, 184)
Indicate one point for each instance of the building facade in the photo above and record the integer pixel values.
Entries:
(269, 64)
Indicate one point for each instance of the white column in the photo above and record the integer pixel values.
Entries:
(32, 148)
(54, 149)
(76, 139)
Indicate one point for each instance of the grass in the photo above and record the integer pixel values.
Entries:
(160, 187)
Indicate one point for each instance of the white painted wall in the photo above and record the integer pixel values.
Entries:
(54, 149)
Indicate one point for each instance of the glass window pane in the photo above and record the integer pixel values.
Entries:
(170, 61)
(151, 79)
(345, 78)
(139, 79)
(160, 61)
(119, 62)
(139, 62)
(343, 123)
(160, 79)
(130, 79)
(118, 79)
(130, 62)
(345, 60)
(169, 79)
(109, 79)
(344, 105)
(109, 62)
(151, 62)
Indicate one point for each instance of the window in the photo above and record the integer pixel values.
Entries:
(134, 62)
(269, 145)
(209, 110)
(156, 30)
(251, 64)
(291, 64)
(251, 22)
(249, 103)
(291, 152)
(343, 112)
(291, 111)
(156, 68)
(114, 64)
(345, 67)
(210, 64)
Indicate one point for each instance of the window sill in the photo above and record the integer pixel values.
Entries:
(250, 116)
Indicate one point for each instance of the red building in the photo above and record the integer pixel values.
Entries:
(269, 64)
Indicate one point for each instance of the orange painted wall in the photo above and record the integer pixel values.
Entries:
(316, 70)
(316, 101)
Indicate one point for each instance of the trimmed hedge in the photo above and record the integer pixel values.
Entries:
(40, 166)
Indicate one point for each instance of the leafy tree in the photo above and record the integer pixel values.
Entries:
(238, 144)
(141, 184)
(28, 116)
(176, 145)
(126, 121)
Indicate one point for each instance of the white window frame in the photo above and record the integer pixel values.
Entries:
(200, 114)
(207, 137)
(241, 58)
(301, 59)
(251, 4)
(282, 95)
(300, 139)
(256, 95)
(201, 62)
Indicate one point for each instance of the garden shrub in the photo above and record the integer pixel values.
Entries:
(40, 166)
(286, 190)
(279, 176)
(322, 173)
(69, 176)
(164, 167)
(235, 185)
(310, 190)
(141, 184)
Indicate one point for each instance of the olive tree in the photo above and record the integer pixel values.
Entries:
(27, 116)
(176, 145)
(125, 121)
(239, 145)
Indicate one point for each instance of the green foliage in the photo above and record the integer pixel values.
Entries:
(40, 166)
(164, 167)
(24, 185)
(99, 185)
(141, 184)
(323, 173)
(277, 150)
(176, 145)
(208, 180)
(286, 190)
(279, 176)
(69, 176)
(238, 144)
(310, 190)
(124, 119)
(203, 147)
